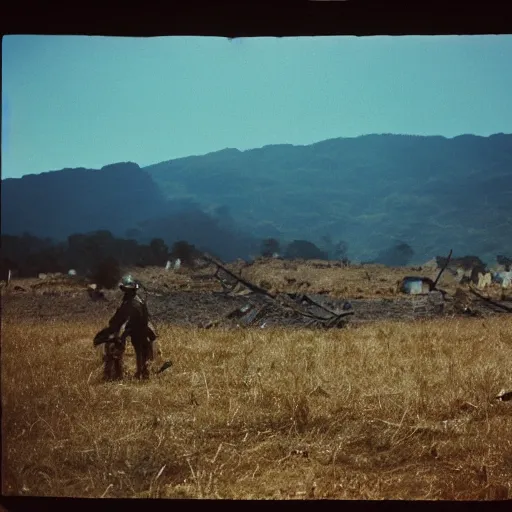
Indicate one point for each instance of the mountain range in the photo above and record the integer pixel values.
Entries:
(374, 191)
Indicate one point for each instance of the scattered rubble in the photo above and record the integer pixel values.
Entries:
(242, 303)
(298, 308)
(194, 299)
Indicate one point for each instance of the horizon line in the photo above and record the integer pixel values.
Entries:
(197, 155)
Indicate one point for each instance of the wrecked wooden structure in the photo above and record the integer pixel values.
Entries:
(426, 300)
(263, 308)
(242, 303)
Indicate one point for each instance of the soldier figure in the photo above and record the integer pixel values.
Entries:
(134, 313)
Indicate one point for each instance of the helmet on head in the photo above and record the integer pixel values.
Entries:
(128, 283)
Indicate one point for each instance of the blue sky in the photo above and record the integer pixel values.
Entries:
(73, 101)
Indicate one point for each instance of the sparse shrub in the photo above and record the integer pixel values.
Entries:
(159, 251)
(398, 255)
(185, 252)
(503, 260)
(302, 249)
(107, 273)
(269, 246)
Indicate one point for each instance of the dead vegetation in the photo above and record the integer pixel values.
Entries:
(365, 281)
(392, 410)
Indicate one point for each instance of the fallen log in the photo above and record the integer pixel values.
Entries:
(489, 300)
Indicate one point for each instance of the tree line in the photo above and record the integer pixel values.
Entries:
(100, 254)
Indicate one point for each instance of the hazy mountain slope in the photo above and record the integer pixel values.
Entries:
(432, 192)
(121, 198)
(58, 203)
(372, 191)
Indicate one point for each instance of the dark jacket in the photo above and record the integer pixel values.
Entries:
(134, 312)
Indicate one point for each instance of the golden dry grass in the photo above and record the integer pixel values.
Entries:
(281, 276)
(278, 276)
(355, 281)
(362, 281)
(385, 411)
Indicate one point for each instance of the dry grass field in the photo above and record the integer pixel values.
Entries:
(314, 276)
(389, 410)
(278, 276)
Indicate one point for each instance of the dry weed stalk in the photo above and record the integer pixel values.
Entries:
(384, 411)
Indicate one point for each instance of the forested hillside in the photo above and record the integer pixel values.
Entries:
(371, 191)
(366, 194)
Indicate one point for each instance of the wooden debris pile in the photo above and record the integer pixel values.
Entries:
(265, 309)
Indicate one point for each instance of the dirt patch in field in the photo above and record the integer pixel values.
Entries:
(197, 309)
(195, 297)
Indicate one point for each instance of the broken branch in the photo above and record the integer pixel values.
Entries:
(442, 270)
